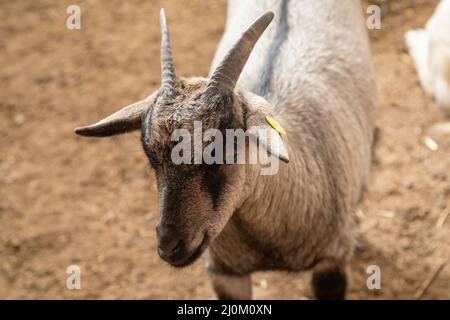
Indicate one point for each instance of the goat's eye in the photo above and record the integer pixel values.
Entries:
(213, 181)
(153, 161)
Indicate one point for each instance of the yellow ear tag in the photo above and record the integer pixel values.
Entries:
(274, 124)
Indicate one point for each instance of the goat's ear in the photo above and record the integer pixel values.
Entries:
(126, 119)
(261, 125)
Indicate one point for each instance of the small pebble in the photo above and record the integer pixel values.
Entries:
(430, 143)
(19, 119)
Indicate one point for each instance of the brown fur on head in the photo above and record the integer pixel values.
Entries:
(196, 200)
(186, 105)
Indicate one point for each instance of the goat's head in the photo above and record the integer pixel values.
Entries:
(196, 200)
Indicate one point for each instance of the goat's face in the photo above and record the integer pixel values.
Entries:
(196, 198)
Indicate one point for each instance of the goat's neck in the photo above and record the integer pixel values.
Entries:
(270, 195)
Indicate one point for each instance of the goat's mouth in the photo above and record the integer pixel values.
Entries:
(192, 257)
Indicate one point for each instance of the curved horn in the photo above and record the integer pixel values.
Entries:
(167, 66)
(227, 73)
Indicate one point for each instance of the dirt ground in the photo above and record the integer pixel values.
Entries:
(93, 202)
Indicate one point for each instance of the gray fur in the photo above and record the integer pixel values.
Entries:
(322, 91)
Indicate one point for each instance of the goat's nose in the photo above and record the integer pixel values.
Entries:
(169, 241)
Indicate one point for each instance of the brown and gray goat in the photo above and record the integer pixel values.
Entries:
(312, 72)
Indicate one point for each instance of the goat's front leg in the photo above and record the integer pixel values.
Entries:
(329, 280)
(228, 285)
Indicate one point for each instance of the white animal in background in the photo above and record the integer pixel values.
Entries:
(430, 50)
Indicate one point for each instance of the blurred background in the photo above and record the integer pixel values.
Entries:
(93, 202)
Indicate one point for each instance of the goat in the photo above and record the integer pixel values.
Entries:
(430, 50)
(312, 72)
